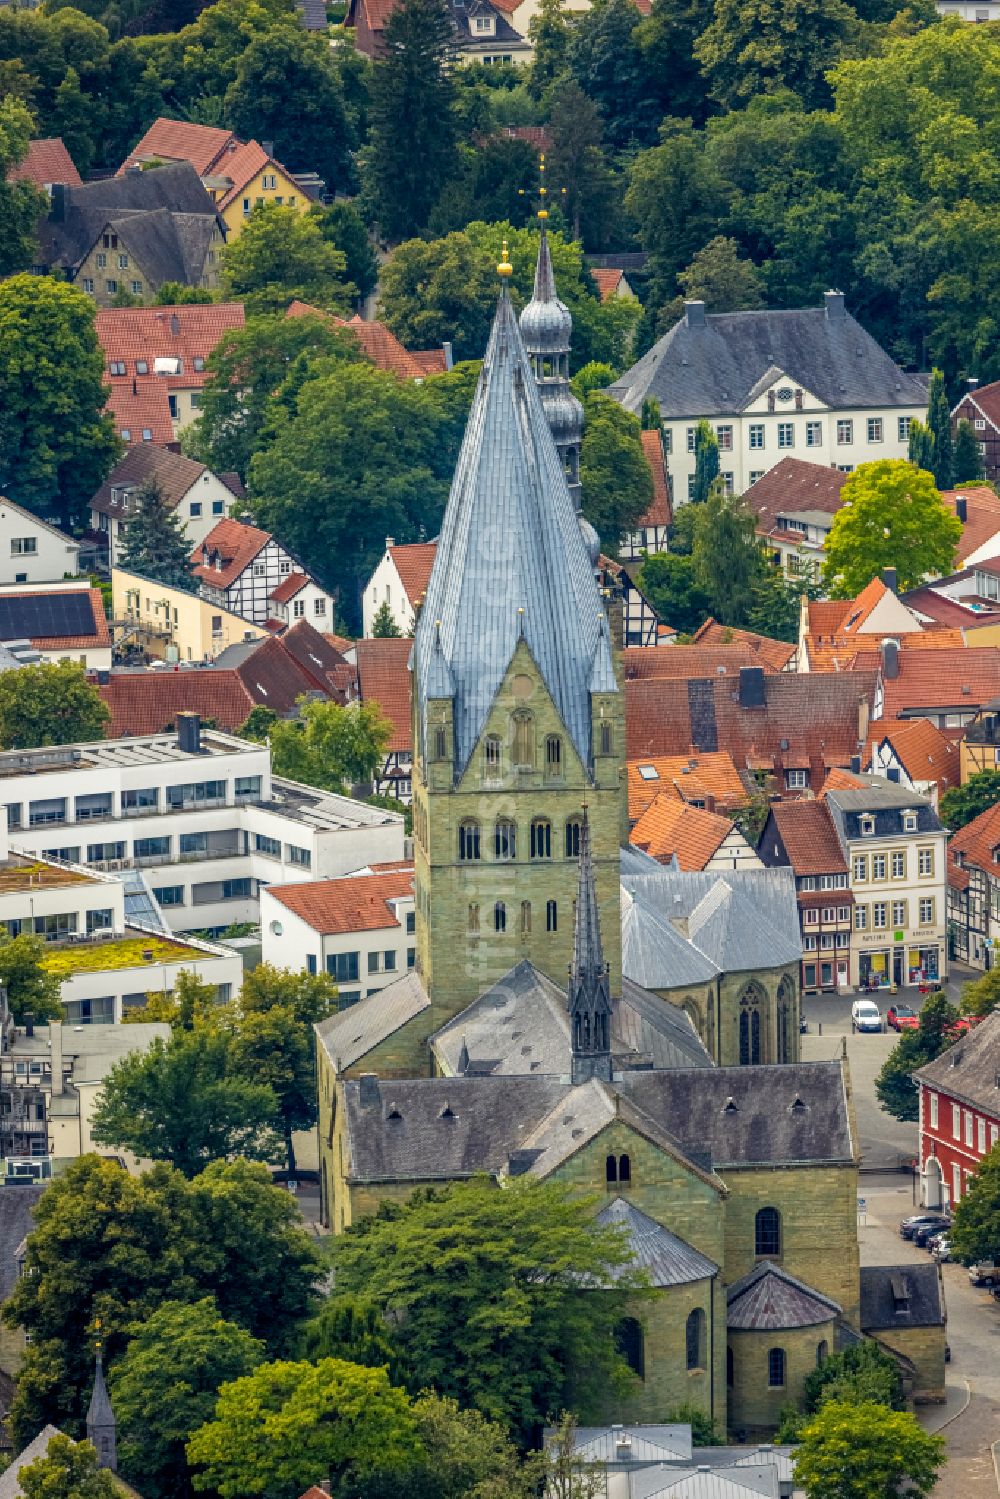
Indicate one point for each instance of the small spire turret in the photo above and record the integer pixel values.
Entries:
(589, 996)
(102, 1428)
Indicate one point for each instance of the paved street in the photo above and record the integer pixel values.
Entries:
(970, 1421)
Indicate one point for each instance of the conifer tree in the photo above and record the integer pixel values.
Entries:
(384, 626)
(412, 148)
(706, 462)
(968, 455)
(939, 421)
(921, 447)
(155, 544)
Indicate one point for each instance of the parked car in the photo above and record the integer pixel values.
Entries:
(927, 1231)
(941, 1249)
(901, 1018)
(985, 1273)
(909, 1226)
(865, 1015)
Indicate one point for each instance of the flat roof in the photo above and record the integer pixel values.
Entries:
(322, 809)
(124, 950)
(25, 873)
(157, 749)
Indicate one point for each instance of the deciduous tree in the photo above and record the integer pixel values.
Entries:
(21, 204)
(67, 1470)
(982, 995)
(165, 1385)
(894, 1087)
(31, 989)
(49, 703)
(330, 746)
(186, 1101)
(752, 48)
(489, 1310)
(668, 582)
(975, 1230)
(863, 1451)
(155, 543)
(281, 256)
(891, 515)
(463, 1455)
(276, 1428)
(274, 1041)
(861, 1372)
(962, 804)
(57, 443)
(720, 277)
(614, 474)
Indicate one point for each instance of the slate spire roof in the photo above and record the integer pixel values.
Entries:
(589, 997)
(547, 327)
(510, 542)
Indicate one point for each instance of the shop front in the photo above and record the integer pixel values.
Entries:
(898, 966)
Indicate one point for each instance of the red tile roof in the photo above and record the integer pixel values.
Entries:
(288, 588)
(690, 661)
(607, 279)
(189, 332)
(431, 361)
(359, 903)
(241, 165)
(659, 512)
(98, 639)
(960, 679)
(317, 657)
(982, 512)
(987, 398)
(793, 486)
(235, 545)
(384, 678)
(141, 406)
(179, 140)
(704, 777)
(810, 838)
(842, 780)
(672, 829)
(46, 162)
(148, 702)
(816, 715)
(378, 345)
(273, 677)
(414, 563)
(977, 840)
(922, 750)
(777, 654)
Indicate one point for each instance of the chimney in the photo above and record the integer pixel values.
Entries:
(390, 542)
(889, 578)
(962, 508)
(449, 355)
(267, 147)
(890, 660)
(972, 382)
(189, 733)
(751, 687)
(56, 1055)
(834, 301)
(368, 1090)
(694, 314)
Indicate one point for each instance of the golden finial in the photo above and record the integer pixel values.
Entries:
(505, 268)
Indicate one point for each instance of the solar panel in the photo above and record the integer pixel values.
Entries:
(46, 615)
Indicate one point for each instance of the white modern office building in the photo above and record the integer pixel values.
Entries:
(198, 811)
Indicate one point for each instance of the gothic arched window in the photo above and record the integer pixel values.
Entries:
(499, 917)
(573, 838)
(607, 740)
(524, 739)
(751, 1001)
(624, 1164)
(551, 916)
(504, 839)
(775, 1367)
(767, 1232)
(492, 757)
(541, 838)
(468, 840)
(611, 1168)
(784, 1018)
(553, 755)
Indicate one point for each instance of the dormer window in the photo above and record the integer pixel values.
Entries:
(909, 822)
(867, 826)
(485, 26)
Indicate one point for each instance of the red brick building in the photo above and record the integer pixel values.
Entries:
(959, 1113)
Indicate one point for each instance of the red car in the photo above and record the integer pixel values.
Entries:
(902, 1018)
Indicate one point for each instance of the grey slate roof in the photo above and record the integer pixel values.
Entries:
(883, 1286)
(969, 1069)
(675, 1482)
(735, 922)
(9, 1486)
(886, 803)
(721, 364)
(510, 560)
(79, 214)
(351, 1034)
(667, 1260)
(16, 1222)
(650, 1443)
(520, 1025)
(768, 1299)
(742, 1116)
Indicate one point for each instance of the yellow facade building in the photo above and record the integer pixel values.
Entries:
(171, 624)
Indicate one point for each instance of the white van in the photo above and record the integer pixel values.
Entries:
(865, 1015)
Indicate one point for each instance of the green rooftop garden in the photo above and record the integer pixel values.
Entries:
(126, 952)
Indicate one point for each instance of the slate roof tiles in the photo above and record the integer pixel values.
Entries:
(769, 1299)
(665, 1258)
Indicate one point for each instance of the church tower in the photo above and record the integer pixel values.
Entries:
(518, 716)
(546, 328)
(589, 995)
